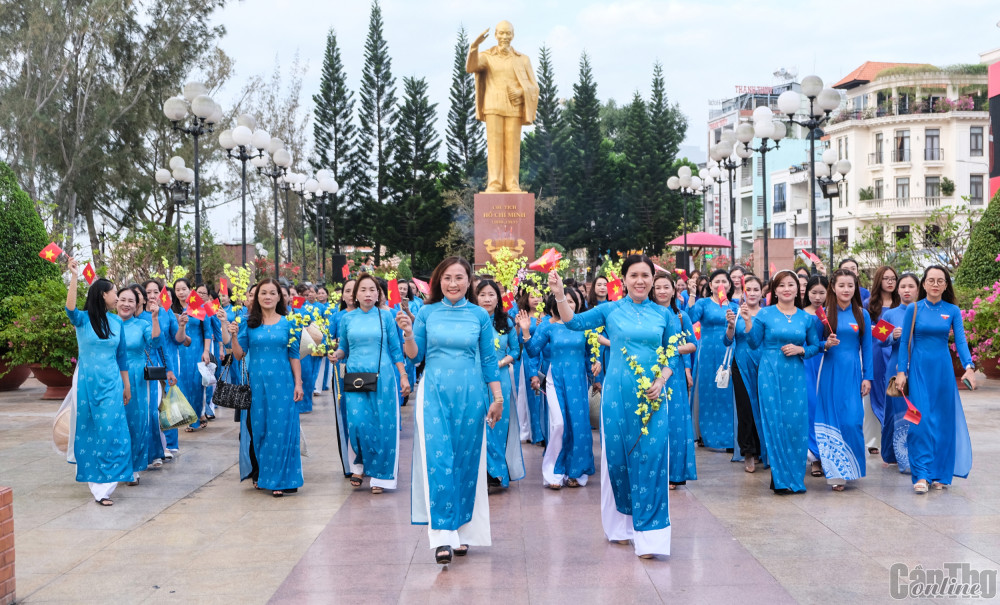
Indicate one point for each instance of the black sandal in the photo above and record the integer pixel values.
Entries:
(443, 555)
(104, 502)
(356, 481)
(462, 550)
(277, 493)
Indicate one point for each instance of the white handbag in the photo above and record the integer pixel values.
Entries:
(722, 374)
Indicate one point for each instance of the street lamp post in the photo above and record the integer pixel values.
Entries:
(730, 157)
(830, 174)
(688, 186)
(176, 182)
(242, 139)
(274, 169)
(323, 188)
(205, 113)
(821, 102)
(765, 128)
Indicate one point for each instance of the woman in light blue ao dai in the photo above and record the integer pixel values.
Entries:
(749, 443)
(369, 343)
(894, 427)
(170, 338)
(504, 462)
(140, 337)
(102, 445)
(454, 338)
(815, 293)
(272, 343)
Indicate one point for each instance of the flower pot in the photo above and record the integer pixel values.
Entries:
(991, 367)
(57, 384)
(15, 378)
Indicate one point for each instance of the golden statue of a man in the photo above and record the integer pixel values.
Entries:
(506, 99)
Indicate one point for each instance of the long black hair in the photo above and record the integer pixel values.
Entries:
(256, 316)
(501, 321)
(833, 305)
(552, 307)
(96, 308)
(948, 295)
(815, 280)
(711, 278)
(178, 305)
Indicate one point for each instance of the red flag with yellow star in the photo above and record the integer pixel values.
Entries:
(345, 271)
(723, 298)
(223, 286)
(882, 330)
(912, 413)
(508, 301)
(298, 301)
(165, 299)
(394, 298)
(51, 252)
(615, 288)
(196, 312)
(547, 261)
(88, 274)
(697, 330)
(212, 306)
(194, 301)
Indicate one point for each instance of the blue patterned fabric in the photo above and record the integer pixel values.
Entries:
(683, 466)
(138, 338)
(745, 361)
(716, 407)
(637, 464)
(939, 447)
(274, 417)
(811, 367)
(455, 341)
(881, 352)
(894, 428)
(189, 378)
(840, 413)
(503, 446)
(373, 418)
(782, 392)
(567, 355)
(102, 447)
(530, 366)
(166, 354)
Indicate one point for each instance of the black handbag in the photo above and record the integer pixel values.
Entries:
(366, 382)
(229, 395)
(151, 372)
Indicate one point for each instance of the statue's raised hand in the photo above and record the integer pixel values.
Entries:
(482, 37)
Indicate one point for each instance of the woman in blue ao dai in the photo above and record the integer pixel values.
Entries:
(504, 462)
(682, 463)
(530, 402)
(844, 378)
(102, 446)
(713, 408)
(140, 336)
(454, 338)
(272, 344)
(213, 327)
(569, 449)
(197, 350)
(744, 377)
(345, 308)
(634, 464)
(411, 305)
(249, 468)
(884, 297)
(939, 446)
(894, 427)
(815, 298)
(170, 338)
(784, 335)
(369, 343)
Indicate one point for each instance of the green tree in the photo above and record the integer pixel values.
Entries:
(872, 249)
(334, 132)
(378, 119)
(979, 266)
(418, 219)
(636, 167)
(465, 139)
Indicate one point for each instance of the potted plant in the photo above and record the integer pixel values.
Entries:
(41, 336)
(981, 321)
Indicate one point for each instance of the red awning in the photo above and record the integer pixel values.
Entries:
(702, 240)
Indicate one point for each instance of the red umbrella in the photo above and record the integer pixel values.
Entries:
(700, 239)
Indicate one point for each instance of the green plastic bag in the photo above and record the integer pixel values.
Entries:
(175, 411)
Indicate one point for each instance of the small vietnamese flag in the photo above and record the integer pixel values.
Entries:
(223, 287)
(88, 274)
(821, 314)
(743, 283)
(423, 286)
(194, 301)
(682, 273)
(773, 269)
(615, 288)
(393, 287)
(697, 331)
(508, 301)
(196, 312)
(912, 413)
(51, 252)
(547, 261)
(165, 299)
(345, 271)
(882, 330)
(723, 299)
(298, 301)
(854, 327)
(212, 306)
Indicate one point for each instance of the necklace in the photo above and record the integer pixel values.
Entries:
(788, 316)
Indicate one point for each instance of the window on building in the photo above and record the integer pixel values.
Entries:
(932, 144)
(932, 236)
(780, 230)
(878, 188)
(842, 235)
(877, 156)
(976, 189)
(976, 141)
(760, 169)
(710, 219)
(903, 188)
(779, 197)
(902, 233)
(901, 146)
(932, 186)
(760, 205)
(840, 148)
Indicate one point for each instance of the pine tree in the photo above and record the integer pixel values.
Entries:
(979, 267)
(465, 139)
(667, 128)
(638, 186)
(378, 119)
(334, 132)
(543, 148)
(417, 218)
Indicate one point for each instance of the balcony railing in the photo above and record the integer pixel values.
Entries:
(901, 155)
(876, 159)
(932, 154)
(896, 205)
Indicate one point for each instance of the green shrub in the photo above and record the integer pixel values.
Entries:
(22, 237)
(979, 267)
(39, 331)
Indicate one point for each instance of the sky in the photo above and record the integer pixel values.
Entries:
(706, 48)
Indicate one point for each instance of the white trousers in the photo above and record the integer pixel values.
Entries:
(102, 490)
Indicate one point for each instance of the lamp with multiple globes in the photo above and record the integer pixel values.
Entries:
(688, 185)
(176, 182)
(242, 139)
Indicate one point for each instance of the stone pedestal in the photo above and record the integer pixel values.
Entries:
(504, 220)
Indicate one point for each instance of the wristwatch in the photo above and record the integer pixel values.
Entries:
(970, 367)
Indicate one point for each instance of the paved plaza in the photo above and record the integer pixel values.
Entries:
(191, 533)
